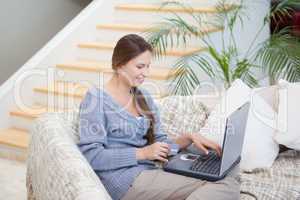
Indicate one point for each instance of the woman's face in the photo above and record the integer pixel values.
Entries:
(136, 70)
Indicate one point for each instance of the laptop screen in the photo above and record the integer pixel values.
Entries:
(234, 136)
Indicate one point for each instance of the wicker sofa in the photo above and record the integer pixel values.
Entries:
(57, 170)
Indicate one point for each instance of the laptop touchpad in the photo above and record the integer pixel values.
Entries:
(189, 156)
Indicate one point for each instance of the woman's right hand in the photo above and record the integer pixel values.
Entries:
(155, 151)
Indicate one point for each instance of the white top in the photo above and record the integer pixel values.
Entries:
(139, 117)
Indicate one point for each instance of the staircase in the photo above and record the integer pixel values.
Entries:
(87, 63)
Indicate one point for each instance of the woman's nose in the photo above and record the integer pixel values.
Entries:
(146, 72)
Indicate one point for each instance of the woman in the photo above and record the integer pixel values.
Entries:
(120, 136)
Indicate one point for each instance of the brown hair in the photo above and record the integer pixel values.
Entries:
(127, 48)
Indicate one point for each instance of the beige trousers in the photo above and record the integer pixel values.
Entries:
(160, 185)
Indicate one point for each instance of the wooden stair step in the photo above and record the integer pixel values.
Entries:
(33, 112)
(14, 137)
(155, 72)
(110, 46)
(73, 90)
(123, 27)
(145, 27)
(67, 89)
(177, 9)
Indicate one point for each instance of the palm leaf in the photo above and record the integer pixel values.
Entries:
(188, 69)
(198, 17)
(280, 56)
(169, 33)
(222, 62)
(242, 71)
(281, 10)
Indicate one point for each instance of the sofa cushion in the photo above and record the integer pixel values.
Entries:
(288, 132)
(181, 114)
(259, 148)
(230, 100)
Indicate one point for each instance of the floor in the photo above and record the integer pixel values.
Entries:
(12, 180)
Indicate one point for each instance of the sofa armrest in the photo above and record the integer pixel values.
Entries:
(56, 169)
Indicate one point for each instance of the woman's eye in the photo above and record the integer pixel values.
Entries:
(143, 66)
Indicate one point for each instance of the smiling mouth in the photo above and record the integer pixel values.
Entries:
(141, 79)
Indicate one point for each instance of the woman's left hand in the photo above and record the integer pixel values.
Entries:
(204, 144)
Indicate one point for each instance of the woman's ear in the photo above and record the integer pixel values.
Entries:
(118, 71)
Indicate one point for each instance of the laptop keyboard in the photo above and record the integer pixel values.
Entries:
(209, 163)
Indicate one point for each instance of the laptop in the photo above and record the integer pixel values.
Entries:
(191, 162)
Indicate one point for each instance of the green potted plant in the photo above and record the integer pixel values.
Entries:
(278, 56)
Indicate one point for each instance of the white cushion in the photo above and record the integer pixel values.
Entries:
(232, 99)
(259, 148)
(288, 132)
(270, 95)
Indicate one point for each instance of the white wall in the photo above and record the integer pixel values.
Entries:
(27, 25)
(17, 90)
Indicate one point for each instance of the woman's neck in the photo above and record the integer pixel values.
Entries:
(118, 85)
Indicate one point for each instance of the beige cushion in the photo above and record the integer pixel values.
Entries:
(182, 114)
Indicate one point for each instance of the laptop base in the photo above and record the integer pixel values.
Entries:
(178, 166)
